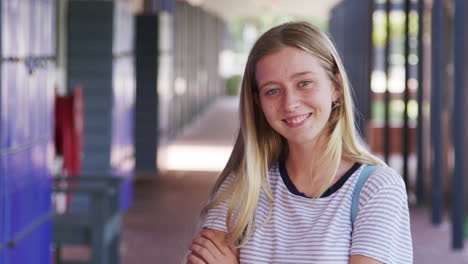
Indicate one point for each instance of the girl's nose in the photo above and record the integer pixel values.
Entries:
(291, 101)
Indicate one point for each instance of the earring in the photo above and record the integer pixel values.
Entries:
(336, 103)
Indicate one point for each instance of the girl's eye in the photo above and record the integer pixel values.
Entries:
(272, 91)
(304, 83)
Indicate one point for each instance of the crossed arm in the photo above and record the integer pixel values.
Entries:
(211, 248)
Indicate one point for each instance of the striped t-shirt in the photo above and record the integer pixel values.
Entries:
(319, 230)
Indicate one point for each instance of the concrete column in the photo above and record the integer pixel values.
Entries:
(147, 100)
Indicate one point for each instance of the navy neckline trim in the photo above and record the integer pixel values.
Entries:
(335, 187)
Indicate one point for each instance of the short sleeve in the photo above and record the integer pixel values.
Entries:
(382, 228)
(216, 216)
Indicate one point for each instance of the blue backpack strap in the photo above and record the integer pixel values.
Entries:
(357, 190)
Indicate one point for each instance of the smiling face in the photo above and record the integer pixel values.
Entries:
(295, 94)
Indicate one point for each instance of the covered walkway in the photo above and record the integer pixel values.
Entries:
(132, 92)
(162, 221)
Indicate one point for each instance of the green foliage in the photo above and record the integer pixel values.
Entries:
(396, 107)
(397, 26)
(379, 34)
(233, 84)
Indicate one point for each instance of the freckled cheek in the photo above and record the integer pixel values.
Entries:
(269, 111)
(319, 104)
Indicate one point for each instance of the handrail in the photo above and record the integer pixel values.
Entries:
(85, 189)
(26, 231)
(16, 149)
(88, 178)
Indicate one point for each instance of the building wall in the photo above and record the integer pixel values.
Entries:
(26, 151)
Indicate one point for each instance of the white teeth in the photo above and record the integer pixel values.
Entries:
(297, 119)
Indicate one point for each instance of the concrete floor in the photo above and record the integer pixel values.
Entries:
(159, 226)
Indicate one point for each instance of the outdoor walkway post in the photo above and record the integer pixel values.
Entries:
(147, 99)
(436, 111)
(459, 126)
(387, 135)
(420, 129)
(405, 130)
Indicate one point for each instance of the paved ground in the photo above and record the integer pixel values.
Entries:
(159, 226)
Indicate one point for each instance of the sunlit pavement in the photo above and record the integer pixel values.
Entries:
(159, 226)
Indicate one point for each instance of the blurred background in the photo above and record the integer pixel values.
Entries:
(118, 115)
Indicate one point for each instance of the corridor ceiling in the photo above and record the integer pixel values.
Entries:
(227, 9)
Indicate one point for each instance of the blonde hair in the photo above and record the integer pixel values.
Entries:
(258, 146)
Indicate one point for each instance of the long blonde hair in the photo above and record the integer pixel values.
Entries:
(258, 146)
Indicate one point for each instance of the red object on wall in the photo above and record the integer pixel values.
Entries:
(69, 130)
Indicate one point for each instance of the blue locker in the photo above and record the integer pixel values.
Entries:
(30, 101)
(43, 17)
(50, 27)
(23, 20)
(18, 106)
(16, 174)
(24, 207)
(6, 28)
(3, 26)
(2, 207)
(45, 160)
(25, 251)
(44, 105)
(33, 27)
(26, 107)
(41, 103)
(7, 169)
(12, 91)
(50, 100)
(34, 102)
(46, 27)
(15, 33)
(40, 116)
(12, 24)
(26, 101)
(13, 94)
(3, 138)
(4, 106)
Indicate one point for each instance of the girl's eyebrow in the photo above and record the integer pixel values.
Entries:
(295, 75)
(300, 74)
(266, 84)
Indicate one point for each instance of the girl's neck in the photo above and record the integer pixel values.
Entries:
(307, 169)
(304, 160)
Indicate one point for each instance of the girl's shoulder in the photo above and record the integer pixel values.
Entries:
(384, 176)
(383, 179)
